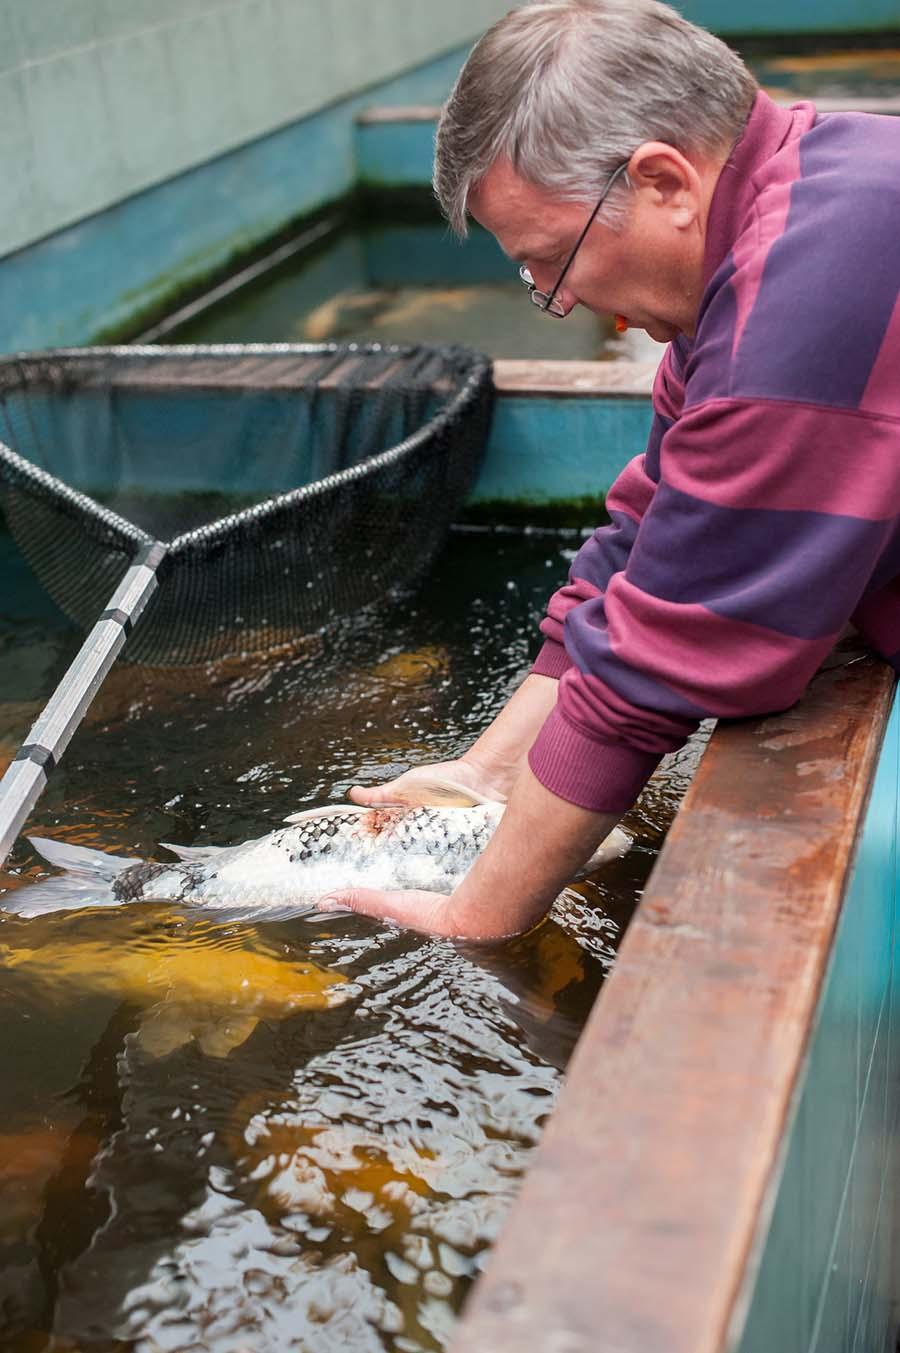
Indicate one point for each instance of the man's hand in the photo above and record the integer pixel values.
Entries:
(403, 789)
(540, 845)
(428, 912)
(491, 765)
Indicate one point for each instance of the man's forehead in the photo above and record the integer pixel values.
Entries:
(529, 244)
(520, 215)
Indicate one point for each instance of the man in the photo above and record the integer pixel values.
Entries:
(629, 163)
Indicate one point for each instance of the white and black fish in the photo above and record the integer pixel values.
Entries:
(429, 844)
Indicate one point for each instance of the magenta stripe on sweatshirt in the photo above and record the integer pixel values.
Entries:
(668, 392)
(604, 777)
(736, 453)
(603, 712)
(561, 603)
(729, 668)
(751, 252)
(882, 392)
(878, 619)
(632, 492)
(552, 660)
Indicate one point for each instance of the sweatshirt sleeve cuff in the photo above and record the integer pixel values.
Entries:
(552, 660)
(605, 777)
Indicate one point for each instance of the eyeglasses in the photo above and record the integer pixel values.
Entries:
(546, 300)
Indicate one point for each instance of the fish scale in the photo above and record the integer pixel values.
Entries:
(419, 846)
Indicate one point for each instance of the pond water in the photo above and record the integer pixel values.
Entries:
(303, 1134)
(392, 283)
(865, 72)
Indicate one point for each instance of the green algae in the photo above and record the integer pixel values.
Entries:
(190, 280)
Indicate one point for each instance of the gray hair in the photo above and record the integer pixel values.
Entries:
(568, 89)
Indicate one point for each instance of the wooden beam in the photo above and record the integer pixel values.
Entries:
(575, 380)
(416, 112)
(384, 115)
(635, 1223)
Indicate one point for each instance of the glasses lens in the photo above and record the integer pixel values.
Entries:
(525, 276)
(539, 298)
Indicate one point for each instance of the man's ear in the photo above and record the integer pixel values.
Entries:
(668, 178)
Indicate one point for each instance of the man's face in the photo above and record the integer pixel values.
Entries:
(650, 271)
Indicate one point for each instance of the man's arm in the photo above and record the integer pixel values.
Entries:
(541, 843)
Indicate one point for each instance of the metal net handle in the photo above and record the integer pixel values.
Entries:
(27, 776)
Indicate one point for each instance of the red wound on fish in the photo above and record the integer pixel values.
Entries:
(377, 819)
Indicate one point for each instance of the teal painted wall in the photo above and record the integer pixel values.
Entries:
(539, 451)
(395, 154)
(546, 450)
(826, 1278)
(102, 99)
(105, 270)
(797, 16)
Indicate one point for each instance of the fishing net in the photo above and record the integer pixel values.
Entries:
(289, 484)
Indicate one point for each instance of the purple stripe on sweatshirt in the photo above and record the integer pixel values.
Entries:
(658, 429)
(752, 249)
(747, 454)
(605, 552)
(769, 129)
(724, 667)
(601, 711)
(887, 567)
(564, 600)
(707, 371)
(835, 270)
(668, 384)
(589, 645)
(798, 572)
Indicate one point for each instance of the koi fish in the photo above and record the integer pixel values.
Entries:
(186, 986)
(429, 843)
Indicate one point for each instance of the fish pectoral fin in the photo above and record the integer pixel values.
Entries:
(441, 793)
(328, 810)
(610, 848)
(252, 912)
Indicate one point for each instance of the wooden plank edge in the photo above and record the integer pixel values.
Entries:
(382, 114)
(537, 378)
(386, 115)
(262, 371)
(639, 1213)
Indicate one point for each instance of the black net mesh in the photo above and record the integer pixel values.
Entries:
(290, 484)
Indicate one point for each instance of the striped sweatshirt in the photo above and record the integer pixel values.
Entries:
(765, 512)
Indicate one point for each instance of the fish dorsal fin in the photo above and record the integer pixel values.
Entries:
(198, 854)
(328, 810)
(441, 793)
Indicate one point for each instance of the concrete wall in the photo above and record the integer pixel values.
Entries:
(101, 99)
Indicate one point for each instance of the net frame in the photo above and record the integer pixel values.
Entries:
(332, 502)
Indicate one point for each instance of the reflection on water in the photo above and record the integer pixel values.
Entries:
(297, 1135)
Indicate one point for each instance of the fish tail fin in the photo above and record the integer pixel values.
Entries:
(87, 881)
